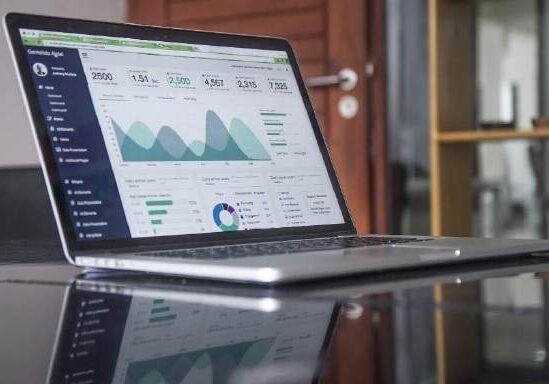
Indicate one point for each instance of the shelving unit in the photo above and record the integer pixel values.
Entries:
(452, 91)
(452, 150)
(474, 137)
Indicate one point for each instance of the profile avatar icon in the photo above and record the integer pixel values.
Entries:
(40, 69)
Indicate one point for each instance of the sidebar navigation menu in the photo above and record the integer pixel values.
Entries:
(86, 178)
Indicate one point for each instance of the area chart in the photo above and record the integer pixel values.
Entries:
(214, 365)
(237, 143)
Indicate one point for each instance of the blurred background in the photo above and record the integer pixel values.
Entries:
(381, 149)
(443, 132)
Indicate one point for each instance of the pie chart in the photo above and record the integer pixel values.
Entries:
(226, 217)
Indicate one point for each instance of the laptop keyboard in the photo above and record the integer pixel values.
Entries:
(294, 246)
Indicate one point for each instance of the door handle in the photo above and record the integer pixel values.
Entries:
(345, 78)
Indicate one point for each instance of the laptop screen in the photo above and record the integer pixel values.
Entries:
(156, 138)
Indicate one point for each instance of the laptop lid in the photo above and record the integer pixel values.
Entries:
(156, 137)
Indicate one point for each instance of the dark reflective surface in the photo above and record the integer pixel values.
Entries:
(482, 323)
(108, 335)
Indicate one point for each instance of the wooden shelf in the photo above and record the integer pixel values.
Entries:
(450, 137)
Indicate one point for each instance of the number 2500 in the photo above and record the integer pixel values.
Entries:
(105, 76)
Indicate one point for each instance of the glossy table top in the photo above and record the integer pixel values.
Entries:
(485, 323)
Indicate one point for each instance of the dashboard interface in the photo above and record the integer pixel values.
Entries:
(156, 138)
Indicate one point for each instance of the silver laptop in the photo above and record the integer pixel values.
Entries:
(196, 154)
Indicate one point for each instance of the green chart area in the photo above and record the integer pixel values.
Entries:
(238, 143)
(213, 365)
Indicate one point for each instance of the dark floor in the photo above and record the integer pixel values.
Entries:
(27, 228)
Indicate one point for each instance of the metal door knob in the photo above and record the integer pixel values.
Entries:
(346, 78)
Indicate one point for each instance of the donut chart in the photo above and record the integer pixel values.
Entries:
(218, 210)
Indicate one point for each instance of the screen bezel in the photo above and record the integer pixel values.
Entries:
(15, 21)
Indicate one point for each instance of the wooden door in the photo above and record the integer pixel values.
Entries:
(327, 35)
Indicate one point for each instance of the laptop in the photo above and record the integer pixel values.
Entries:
(106, 335)
(196, 154)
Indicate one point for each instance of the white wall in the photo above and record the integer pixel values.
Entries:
(508, 50)
(508, 54)
(16, 146)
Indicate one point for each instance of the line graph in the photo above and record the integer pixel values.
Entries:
(237, 143)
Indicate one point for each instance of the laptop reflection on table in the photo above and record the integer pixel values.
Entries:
(110, 335)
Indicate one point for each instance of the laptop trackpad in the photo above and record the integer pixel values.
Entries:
(444, 253)
(426, 246)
